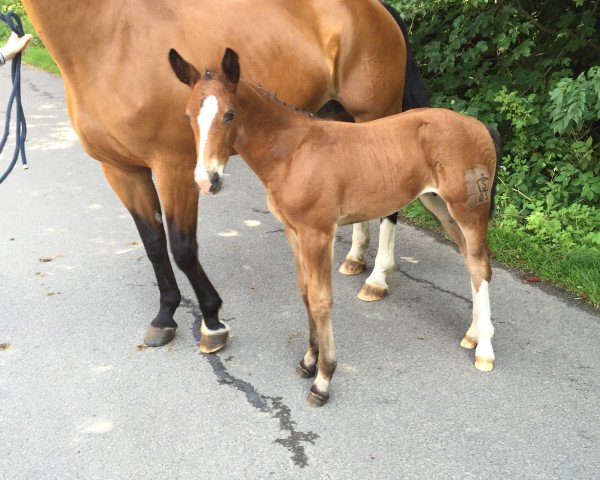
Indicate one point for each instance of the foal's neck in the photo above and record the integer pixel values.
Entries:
(269, 131)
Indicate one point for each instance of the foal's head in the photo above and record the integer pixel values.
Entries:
(212, 113)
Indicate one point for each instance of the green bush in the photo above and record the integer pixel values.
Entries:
(532, 69)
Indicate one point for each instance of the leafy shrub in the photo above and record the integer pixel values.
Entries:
(532, 69)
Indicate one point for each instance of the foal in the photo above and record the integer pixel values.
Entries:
(320, 174)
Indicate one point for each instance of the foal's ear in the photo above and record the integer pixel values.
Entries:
(185, 71)
(231, 67)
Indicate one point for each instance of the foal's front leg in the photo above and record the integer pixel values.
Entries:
(316, 253)
(308, 365)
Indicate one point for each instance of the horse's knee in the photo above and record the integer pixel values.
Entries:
(185, 251)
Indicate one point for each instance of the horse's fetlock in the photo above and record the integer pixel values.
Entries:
(171, 298)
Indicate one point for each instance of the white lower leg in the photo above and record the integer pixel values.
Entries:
(326, 360)
(205, 331)
(484, 353)
(470, 339)
(384, 262)
(360, 241)
(310, 358)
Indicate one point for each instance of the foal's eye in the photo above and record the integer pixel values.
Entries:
(229, 115)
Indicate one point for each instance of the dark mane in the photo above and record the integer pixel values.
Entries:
(273, 97)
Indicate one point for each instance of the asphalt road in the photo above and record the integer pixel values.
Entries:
(79, 399)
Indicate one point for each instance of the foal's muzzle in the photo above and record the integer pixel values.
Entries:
(211, 185)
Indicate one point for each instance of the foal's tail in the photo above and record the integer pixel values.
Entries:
(415, 93)
(498, 146)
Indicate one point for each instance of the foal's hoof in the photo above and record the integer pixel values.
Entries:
(484, 364)
(157, 337)
(372, 293)
(212, 341)
(305, 372)
(468, 342)
(316, 398)
(351, 267)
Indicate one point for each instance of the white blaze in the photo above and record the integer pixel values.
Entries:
(208, 111)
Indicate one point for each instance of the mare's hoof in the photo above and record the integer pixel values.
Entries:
(351, 267)
(157, 337)
(468, 342)
(305, 372)
(212, 341)
(316, 398)
(372, 293)
(484, 364)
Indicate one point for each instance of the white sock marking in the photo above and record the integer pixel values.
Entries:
(360, 242)
(485, 329)
(384, 262)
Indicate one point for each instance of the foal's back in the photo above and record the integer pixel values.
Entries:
(377, 167)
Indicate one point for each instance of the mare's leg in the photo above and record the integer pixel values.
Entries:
(481, 331)
(179, 196)
(308, 365)
(355, 260)
(137, 192)
(376, 287)
(316, 252)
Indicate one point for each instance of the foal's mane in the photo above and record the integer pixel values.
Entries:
(210, 75)
(273, 97)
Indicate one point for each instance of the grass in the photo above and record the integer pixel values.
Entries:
(576, 270)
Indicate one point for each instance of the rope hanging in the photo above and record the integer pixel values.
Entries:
(14, 22)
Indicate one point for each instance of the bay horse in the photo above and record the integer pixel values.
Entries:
(320, 174)
(348, 51)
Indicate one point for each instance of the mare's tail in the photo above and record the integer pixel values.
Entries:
(415, 93)
(498, 146)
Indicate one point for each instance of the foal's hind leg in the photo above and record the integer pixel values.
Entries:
(478, 262)
(436, 205)
(137, 192)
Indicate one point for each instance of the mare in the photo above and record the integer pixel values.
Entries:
(353, 52)
(319, 174)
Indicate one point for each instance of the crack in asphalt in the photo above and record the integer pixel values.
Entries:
(263, 403)
(427, 282)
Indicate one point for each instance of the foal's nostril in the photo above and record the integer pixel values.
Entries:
(216, 183)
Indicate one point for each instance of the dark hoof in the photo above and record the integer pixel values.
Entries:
(316, 398)
(157, 337)
(306, 372)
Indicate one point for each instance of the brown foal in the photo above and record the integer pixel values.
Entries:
(319, 174)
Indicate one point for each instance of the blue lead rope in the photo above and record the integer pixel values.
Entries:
(14, 22)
